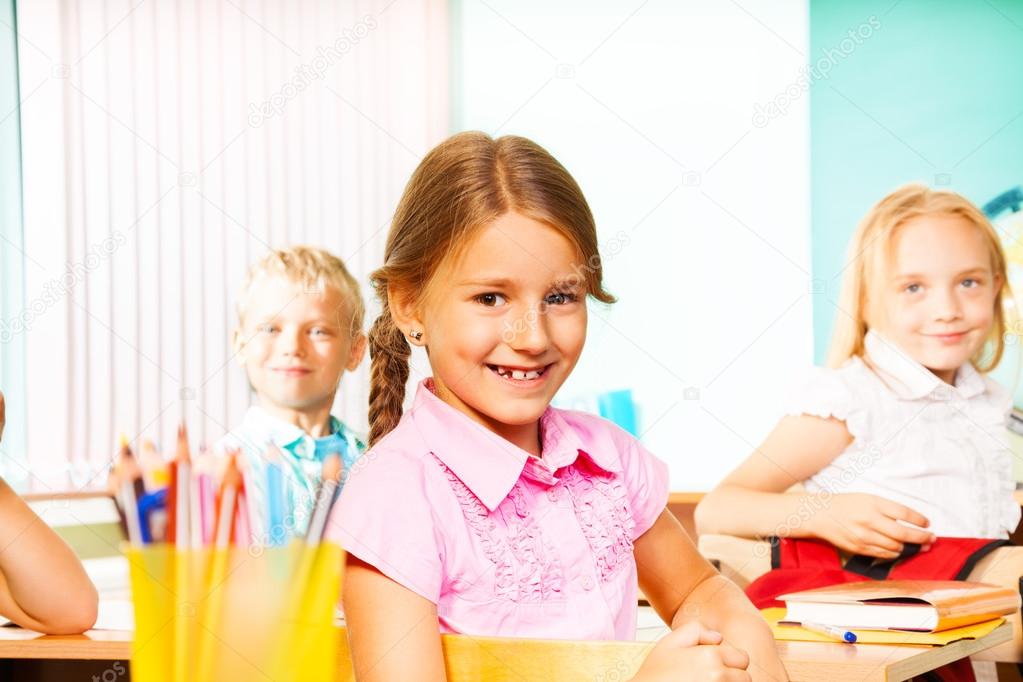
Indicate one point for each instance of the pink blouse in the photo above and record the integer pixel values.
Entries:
(506, 544)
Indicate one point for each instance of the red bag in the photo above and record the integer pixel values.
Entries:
(805, 564)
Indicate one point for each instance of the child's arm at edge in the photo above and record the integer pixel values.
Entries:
(682, 586)
(795, 450)
(799, 447)
(43, 585)
(392, 631)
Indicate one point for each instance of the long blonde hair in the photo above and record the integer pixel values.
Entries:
(463, 184)
(868, 260)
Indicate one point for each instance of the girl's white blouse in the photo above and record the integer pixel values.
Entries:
(941, 450)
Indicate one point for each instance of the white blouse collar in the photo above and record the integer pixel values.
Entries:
(911, 380)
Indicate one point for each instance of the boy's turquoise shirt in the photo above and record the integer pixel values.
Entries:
(302, 462)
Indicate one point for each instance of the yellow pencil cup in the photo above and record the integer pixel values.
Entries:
(235, 614)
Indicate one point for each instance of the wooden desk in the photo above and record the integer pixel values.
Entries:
(94, 645)
(809, 661)
(877, 662)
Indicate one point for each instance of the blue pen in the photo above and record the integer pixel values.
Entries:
(276, 531)
(836, 633)
(149, 505)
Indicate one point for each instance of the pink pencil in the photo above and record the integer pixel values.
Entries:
(206, 496)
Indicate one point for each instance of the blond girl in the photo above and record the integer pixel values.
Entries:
(902, 437)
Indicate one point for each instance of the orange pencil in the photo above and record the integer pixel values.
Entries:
(242, 529)
(227, 503)
(179, 492)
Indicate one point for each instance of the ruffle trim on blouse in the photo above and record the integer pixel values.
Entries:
(526, 568)
(993, 421)
(602, 506)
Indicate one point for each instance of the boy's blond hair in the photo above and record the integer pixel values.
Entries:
(312, 268)
(869, 258)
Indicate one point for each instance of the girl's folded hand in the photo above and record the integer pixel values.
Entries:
(692, 652)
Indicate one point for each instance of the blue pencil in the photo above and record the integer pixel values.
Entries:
(275, 497)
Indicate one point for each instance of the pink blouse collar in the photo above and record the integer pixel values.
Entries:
(488, 464)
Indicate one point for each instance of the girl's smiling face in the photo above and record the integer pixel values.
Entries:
(938, 304)
(504, 324)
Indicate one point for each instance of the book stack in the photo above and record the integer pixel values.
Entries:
(906, 606)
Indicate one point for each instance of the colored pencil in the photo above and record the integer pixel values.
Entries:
(276, 532)
(325, 498)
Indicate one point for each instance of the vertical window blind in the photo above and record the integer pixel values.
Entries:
(166, 146)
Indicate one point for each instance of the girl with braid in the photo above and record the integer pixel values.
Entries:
(481, 509)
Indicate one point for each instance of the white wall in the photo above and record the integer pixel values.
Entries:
(650, 105)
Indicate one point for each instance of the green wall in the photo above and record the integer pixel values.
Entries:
(935, 94)
(12, 288)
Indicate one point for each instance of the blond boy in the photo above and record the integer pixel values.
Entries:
(300, 317)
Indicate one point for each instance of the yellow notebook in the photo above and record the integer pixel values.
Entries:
(797, 634)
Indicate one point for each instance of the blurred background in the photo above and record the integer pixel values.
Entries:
(150, 150)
